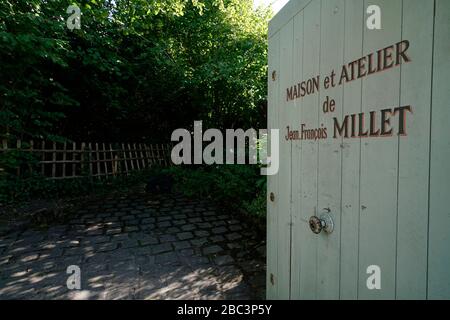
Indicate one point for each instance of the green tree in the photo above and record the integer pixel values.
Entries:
(136, 70)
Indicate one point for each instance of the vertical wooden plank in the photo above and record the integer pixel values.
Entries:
(297, 225)
(64, 159)
(329, 149)
(152, 154)
(105, 160)
(113, 160)
(116, 165)
(142, 158)
(74, 159)
(412, 233)
(145, 158)
(439, 235)
(97, 160)
(82, 158)
(355, 17)
(54, 161)
(130, 153)
(148, 155)
(91, 160)
(272, 181)
(158, 153)
(284, 187)
(379, 162)
(309, 156)
(136, 156)
(125, 158)
(43, 158)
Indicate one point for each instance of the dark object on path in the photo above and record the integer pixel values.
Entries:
(160, 184)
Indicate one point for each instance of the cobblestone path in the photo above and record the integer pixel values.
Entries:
(137, 247)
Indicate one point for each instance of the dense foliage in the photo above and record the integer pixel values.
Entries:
(135, 70)
(15, 190)
(238, 187)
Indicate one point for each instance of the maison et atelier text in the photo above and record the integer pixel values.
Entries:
(360, 125)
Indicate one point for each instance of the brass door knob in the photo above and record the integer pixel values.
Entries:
(325, 223)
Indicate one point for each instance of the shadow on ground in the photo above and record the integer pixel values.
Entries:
(137, 247)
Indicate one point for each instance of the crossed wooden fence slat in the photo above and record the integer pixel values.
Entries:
(75, 160)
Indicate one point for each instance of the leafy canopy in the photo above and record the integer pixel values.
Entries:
(136, 69)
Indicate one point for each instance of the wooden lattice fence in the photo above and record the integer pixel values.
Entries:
(74, 160)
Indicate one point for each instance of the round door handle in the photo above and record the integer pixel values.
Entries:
(315, 224)
(325, 223)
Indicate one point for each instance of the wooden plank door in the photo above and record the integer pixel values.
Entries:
(387, 195)
(329, 166)
(279, 209)
(379, 163)
(272, 181)
(351, 151)
(316, 168)
(439, 234)
(279, 185)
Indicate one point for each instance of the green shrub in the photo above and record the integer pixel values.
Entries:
(232, 186)
(20, 189)
(258, 206)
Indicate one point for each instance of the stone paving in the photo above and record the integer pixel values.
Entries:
(137, 247)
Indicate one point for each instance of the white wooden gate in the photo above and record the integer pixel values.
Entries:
(387, 193)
